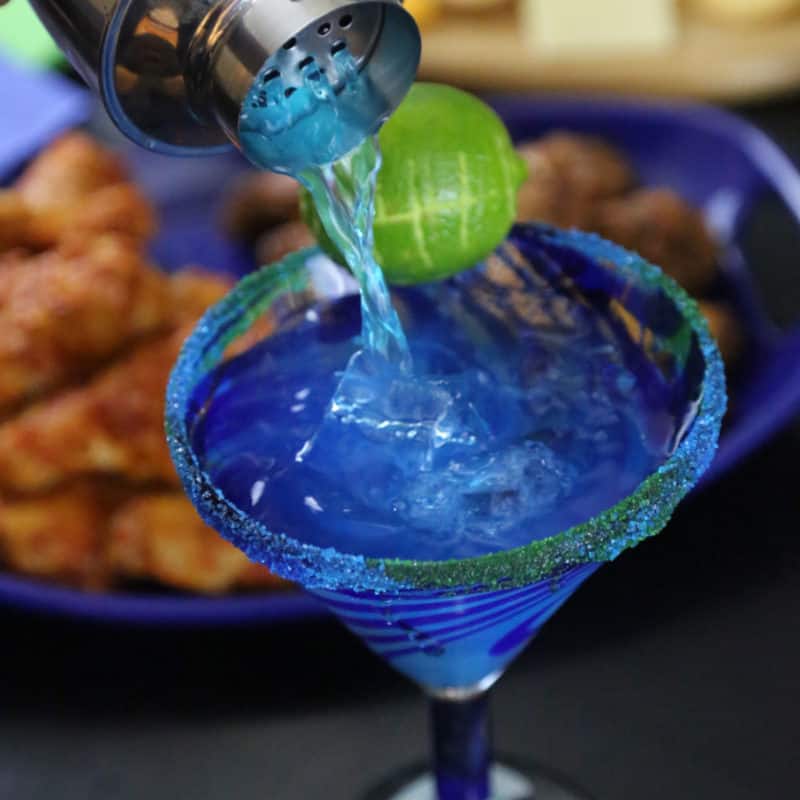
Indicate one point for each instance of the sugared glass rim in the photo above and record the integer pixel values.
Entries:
(640, 515)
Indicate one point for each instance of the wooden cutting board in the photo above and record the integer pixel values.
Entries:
(708, 63)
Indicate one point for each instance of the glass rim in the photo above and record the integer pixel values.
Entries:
(641, 514)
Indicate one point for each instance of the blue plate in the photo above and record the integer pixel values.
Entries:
(35, 108)
(715, 160)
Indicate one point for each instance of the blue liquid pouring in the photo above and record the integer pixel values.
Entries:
(303, 132)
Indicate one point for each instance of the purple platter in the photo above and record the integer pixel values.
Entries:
(715, 160)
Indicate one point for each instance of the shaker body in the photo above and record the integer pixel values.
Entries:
(174, 74)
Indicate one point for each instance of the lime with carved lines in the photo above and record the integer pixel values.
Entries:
(447, 192)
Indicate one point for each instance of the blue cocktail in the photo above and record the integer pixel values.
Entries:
(572, 396)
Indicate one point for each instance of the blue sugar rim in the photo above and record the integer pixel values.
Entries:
(640, 515)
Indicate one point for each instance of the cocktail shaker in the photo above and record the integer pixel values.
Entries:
(173, 74)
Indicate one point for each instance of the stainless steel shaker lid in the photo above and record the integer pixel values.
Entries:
(175, 73)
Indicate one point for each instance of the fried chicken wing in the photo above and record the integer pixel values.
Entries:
(63, 312)
(119, 209)
(161, 537)
(568, 174)
(57, 535)
(259, 201)
(71, 167)
(725, 328)
(194, 290)
(113, 425)
(76, 186)
(665, 229)
(89, 332)
(15, 220)
(282, 240)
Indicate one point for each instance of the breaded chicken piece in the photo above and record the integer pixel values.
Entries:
(113, 426)
(13, 258)
(78, 186)
(15, 220)
(57, 535)
(63, 312)
(259, 201)
(161, 537)
(194, 290)
(282, 240)
(663, 228)
(725, 328)
(568, 174)
(121, 208)
(67, 170)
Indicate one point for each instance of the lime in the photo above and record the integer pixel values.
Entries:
(447, 192)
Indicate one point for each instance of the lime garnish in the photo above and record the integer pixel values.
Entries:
(447, 192)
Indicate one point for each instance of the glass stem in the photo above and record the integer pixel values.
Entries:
(461, 747)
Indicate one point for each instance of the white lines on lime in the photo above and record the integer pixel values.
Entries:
(510, 194)
(433, 210)
(380, 206)
(416, 206)
(427, 212)
(464, 198)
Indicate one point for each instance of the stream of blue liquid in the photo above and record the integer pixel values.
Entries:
(302, 131)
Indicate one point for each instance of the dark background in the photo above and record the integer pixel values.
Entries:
(673, 673)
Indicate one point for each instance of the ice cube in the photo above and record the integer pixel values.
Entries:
(489, 493)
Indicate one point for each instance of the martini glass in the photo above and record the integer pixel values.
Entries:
(454, 626)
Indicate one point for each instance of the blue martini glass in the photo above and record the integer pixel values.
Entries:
(454, 626)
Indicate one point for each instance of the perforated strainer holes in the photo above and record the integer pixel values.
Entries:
(272, 75)
(305, 62)
(346, 21)
(290, 44)
(337, 47)
(324, 29)
(290, 91)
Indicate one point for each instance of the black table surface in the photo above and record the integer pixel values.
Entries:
(673, 673)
